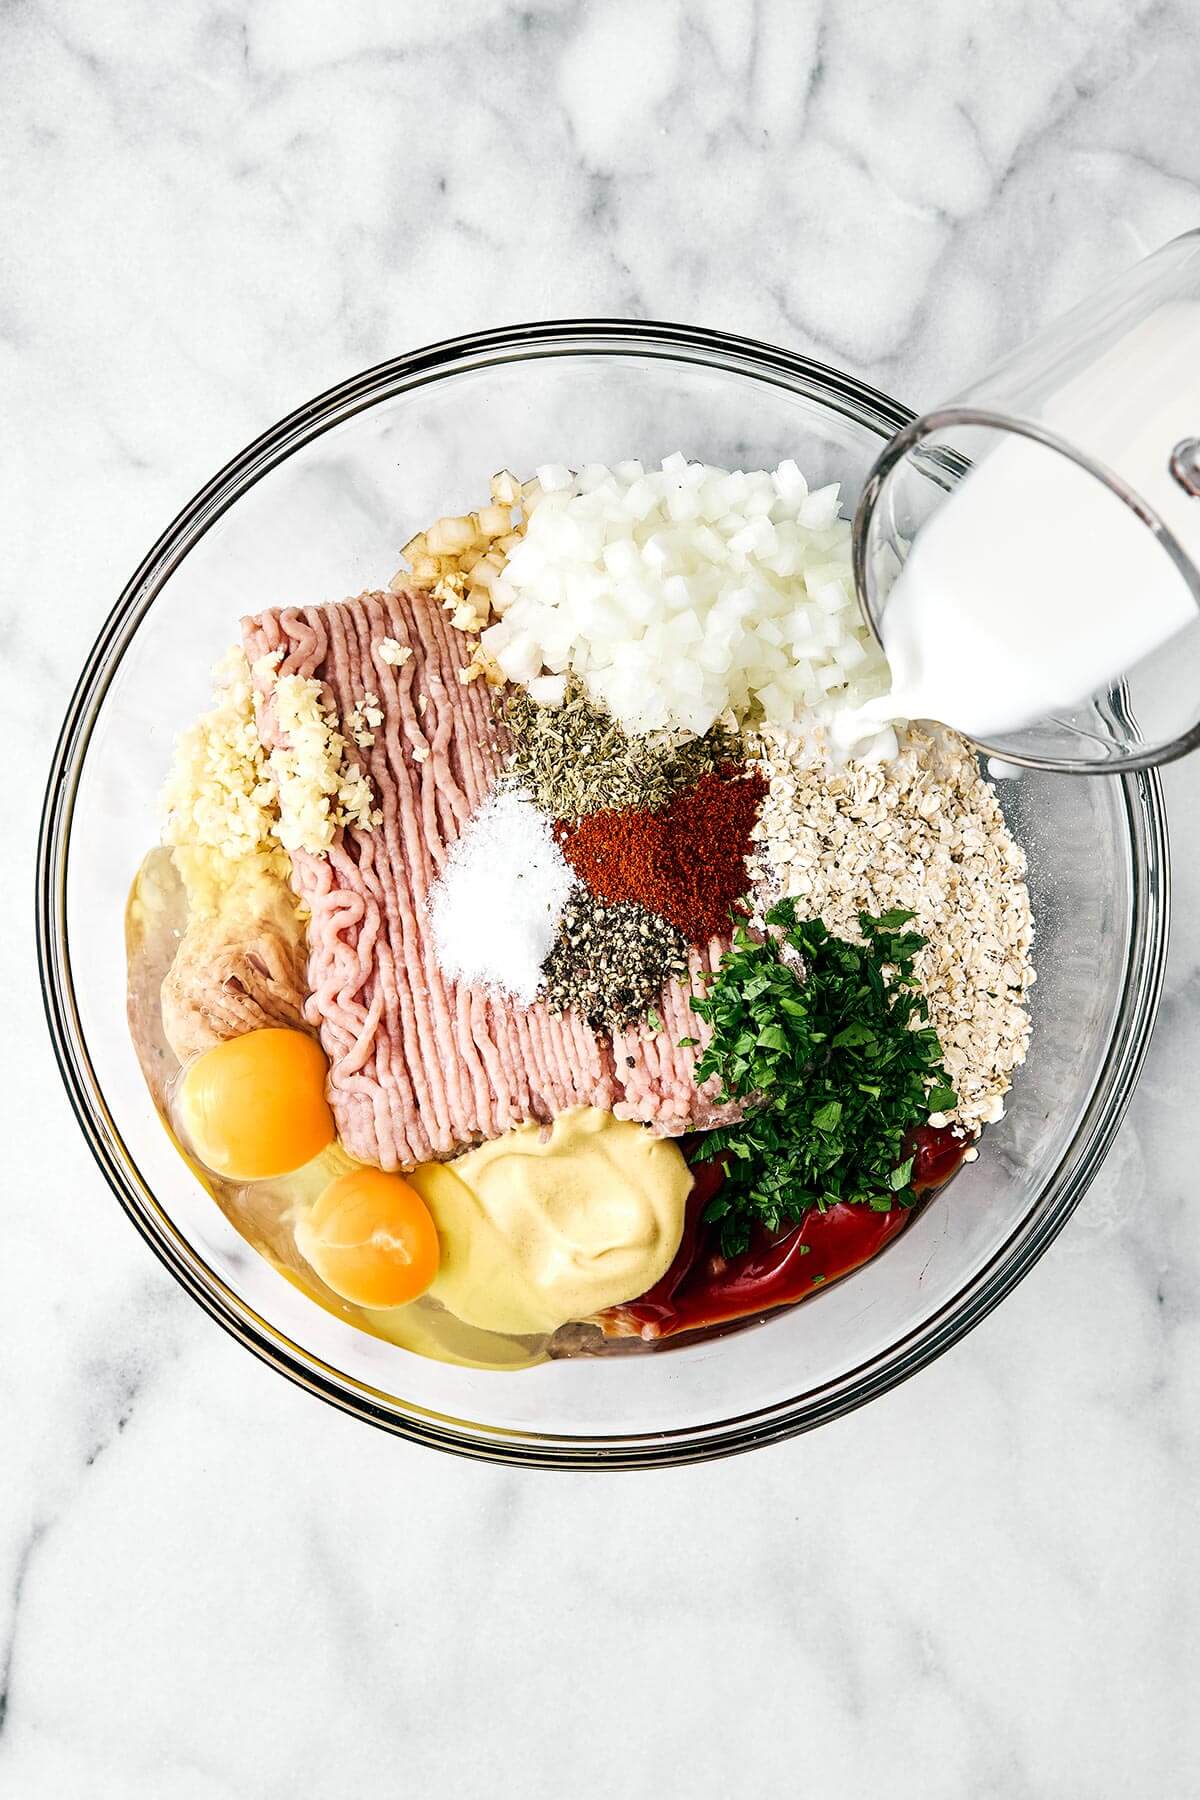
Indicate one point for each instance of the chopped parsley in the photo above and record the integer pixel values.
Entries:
(828, 1043)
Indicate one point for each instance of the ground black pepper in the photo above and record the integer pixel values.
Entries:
(611, 961)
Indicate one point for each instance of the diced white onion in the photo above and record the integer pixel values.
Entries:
(682, 593)
(548, 690)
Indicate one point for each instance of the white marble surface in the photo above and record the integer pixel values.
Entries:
(212, 1588)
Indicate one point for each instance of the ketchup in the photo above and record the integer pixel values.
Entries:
(937, 1154)
(702, 1287)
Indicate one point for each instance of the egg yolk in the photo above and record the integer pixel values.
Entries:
(255, 1107)
(371, 1238)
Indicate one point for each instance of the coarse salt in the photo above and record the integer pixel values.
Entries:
(496, 908)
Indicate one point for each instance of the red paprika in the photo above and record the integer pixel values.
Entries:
(686, 862)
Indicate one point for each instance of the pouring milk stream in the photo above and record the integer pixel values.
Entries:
(1033, 585)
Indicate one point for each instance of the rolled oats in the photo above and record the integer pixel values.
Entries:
(925, 832)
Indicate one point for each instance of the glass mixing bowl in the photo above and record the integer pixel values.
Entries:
(318, 508)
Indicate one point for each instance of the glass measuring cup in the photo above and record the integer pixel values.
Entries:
(1099, 416)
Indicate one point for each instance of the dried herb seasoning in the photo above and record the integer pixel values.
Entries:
(575, 759)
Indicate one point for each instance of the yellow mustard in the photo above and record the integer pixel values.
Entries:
(539, 1227)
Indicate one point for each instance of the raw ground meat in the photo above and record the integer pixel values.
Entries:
(421, 1067)
(230, 978)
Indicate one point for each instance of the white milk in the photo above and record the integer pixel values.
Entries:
(1032, 586)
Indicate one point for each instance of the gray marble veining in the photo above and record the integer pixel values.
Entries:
(212, 1588)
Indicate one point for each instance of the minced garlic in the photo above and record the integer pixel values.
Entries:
(460, 559)
(482, 664)
(320, 789)
(390, 650)
(362, 720)
(220, 797)
(229, 801)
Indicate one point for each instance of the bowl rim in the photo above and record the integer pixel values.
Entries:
(1149, 876)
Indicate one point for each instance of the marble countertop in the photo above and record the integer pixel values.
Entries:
(212, 1587)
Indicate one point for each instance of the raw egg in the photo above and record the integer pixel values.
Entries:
(371, 1238)
(255, 1106)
